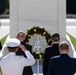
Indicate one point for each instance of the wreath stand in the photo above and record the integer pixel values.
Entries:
(37, 46)
(37, 67)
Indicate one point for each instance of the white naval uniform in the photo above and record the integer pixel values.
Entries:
(13, 65)
(5, 51)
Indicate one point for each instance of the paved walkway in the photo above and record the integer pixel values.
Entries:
(4, 27)
(4, 30)
(71, 27)
(71, 30)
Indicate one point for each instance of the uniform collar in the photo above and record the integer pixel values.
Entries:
(63, 54)
(12, 53)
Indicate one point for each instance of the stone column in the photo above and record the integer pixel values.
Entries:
(13, 18)
(50, 14)
(61, 17)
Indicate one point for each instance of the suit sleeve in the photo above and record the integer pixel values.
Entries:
(45, 63)
(0, 46)
(51, 68)
(29, 60)
(30, 48)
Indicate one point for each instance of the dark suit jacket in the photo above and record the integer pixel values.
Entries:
(27, 70)
(0, 46)
(49, 52)
(62, 65)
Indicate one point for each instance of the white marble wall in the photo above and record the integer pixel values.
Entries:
(49, 14)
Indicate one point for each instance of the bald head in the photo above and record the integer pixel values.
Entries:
(21, 36)
(63, 47)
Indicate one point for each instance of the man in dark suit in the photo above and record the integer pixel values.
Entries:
(0, 46)
(50, 52)
(62, 64)
(21, 36)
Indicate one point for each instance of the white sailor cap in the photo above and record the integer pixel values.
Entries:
(12, 42)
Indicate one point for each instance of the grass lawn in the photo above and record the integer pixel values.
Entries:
(73, 40)
(3, 39)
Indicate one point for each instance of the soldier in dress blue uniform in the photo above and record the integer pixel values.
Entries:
(12, 64)
(62, 64)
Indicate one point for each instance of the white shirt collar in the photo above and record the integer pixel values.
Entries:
(55, 43)
(64, 53)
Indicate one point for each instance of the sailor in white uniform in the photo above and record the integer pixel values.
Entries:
(12, 64)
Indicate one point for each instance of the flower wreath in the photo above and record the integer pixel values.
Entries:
(40, 31)
(38, 55)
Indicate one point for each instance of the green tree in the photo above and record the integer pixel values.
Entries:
(4, 4)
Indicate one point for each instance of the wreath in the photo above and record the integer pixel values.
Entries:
(40, 31)
(38, 55)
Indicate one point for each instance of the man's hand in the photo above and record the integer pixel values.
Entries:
(23, 47)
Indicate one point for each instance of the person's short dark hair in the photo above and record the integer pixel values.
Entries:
(64, 46)
(56, 37)
(12, 49)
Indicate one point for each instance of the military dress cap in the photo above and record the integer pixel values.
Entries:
(12, 42)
